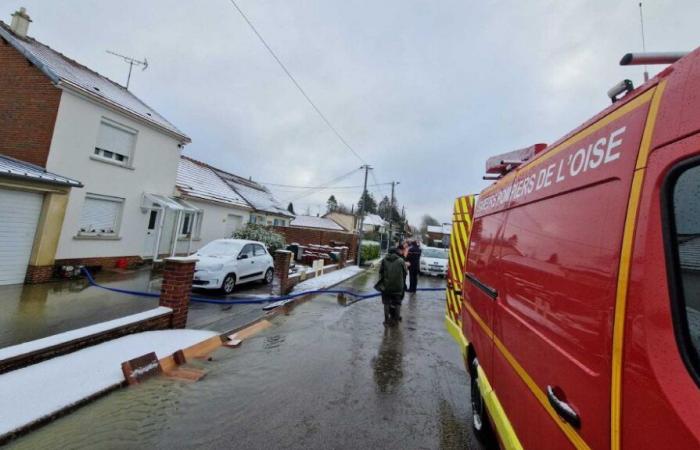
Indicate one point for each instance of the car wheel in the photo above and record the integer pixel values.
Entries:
(269, 274)
(229, 284)
(480, 420)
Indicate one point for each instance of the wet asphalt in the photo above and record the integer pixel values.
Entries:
(323, 377)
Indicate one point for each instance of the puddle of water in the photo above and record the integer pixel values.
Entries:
(323, 377)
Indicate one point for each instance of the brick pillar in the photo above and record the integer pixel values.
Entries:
(282, 259)
(176, 288)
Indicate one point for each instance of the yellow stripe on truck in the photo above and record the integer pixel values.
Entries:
(624, 270)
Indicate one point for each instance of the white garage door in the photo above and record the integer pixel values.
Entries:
(19, 215)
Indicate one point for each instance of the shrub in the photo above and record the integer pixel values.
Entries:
(254, 232)
(369, 250)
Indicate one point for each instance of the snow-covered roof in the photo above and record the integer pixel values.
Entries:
(10, 167)
(374, 219)
(257, 195)
(443, 229)
(197, 179)
(316, 222)
(63, 70)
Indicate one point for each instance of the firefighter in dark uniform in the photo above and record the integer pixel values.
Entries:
(392, 285)
(414, 253)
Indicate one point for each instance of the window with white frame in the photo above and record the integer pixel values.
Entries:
(101, 215)
(279, 223)
(191, 224)
(115, 142)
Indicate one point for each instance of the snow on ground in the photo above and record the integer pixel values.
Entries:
(327, 280)
(33, 392)
(62, 338)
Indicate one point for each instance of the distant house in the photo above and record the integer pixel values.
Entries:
(222, 203)
(220, 210)
(439, 235)
(266, 209)
(345, 220)
(32, 205)
(316, 223)
(373, 222)
(68, 119)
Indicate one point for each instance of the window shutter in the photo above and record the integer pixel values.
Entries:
(99, 214)
(115, 139)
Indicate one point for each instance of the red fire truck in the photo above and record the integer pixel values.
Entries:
(574, 287)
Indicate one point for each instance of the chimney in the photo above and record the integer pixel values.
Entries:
(20, 22)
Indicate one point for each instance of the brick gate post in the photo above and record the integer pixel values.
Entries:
(176, 288)
(282, 261)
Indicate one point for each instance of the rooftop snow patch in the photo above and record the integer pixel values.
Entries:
(38, 391)
(61, 69)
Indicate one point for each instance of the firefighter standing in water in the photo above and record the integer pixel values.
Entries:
(414, 253)
(392, 285)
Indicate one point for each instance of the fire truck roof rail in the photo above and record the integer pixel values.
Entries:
(651, 58)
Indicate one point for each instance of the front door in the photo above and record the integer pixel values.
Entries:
(149, 242)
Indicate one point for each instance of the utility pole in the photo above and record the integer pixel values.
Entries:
(391, 212)
(132, 62)
(362, 213)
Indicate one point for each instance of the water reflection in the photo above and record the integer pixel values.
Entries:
(388, 364)
(34, 311)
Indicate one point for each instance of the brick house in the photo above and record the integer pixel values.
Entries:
(66, 118)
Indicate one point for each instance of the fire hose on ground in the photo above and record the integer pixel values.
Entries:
(249, 300)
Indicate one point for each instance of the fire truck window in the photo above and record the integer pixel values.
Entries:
(686, 243)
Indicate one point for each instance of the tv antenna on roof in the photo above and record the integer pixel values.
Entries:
(132, 62)
(644, 45)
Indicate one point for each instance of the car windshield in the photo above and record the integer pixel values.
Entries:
(220, 248)
(438, 253)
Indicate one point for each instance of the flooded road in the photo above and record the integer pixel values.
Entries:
(325, 376)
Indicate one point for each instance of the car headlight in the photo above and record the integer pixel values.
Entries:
(213, 268)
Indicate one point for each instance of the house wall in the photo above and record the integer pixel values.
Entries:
(346, 221)
(154, 168)
(28, 106)
(214, 223)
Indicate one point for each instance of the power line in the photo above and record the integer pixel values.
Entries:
(296, 83)
(317, 187)
(326, 185)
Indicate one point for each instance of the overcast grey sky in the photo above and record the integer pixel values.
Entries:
(424, 90)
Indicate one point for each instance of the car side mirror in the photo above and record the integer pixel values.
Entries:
(243, 256)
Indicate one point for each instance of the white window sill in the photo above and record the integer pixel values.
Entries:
(110, 161)
(96, 237)
(186, 238)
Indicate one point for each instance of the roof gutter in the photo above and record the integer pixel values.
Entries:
(17, 176)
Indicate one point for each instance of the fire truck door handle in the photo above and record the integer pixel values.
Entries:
(485, 288)
(562, 408)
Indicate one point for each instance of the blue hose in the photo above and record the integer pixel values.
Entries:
(245, 300)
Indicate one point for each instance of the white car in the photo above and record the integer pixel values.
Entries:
(225, 263)
(433, 261)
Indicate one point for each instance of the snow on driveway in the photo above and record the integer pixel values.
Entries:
(327, 280)
(31, 393)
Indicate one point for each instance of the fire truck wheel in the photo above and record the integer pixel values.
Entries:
(480, 420)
